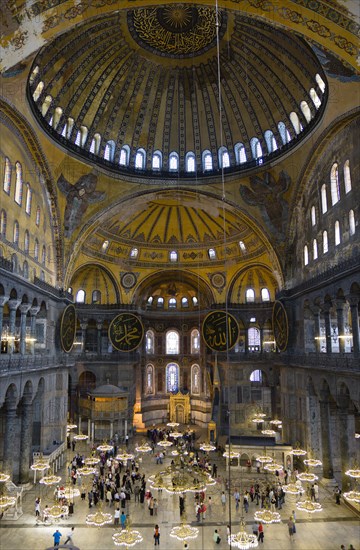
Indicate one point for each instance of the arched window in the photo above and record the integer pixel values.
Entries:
(265, 295)
(57, 116)
(320, 82)
(172, 303)
(150, 379)
(270, 141)
(305, 110)
(306, 255)
(150, 300)
(26, 242)
(3, 223)
(212, 254)
(173, 162)
(160, 302)
(134, 252)
(242, 246)
(249, 295)
(207, 161)
(184, 302)
(224, 158)
(16, 233)
(42, 275)
(46, 105)
(157, 160)
(195, 301)
(315, 249)
(351, 222)
(195, 379)
(313, 216)
(95, 144)
(140, 159)
(26, 269)
(14, 262)
(190, 162)
(109, 151)
(337, 233)
(38, 90)
(36, 250)
(295, 122)
(195, 341)
(43, 255)
(105, 246)
(81, 136)
(240, 153)
(96, 297)
(149, 342)
(173, 256)
(347, 177)
(172, 342)
(254, 339)
(68, 127)
(323, 199)
(284, 132)
(256, 376)
(80, 297)
(37, 217)
(172, 378)
(28, 199)
(7, 176)
(125, 156)
(325, 242)
(18, 184)
(334, 182)
(255, 148)
(315, 98)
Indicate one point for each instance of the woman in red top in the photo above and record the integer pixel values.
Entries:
(261, 532)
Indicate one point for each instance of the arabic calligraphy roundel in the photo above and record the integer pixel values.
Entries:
(68, 328)
(280, 326)
(220, 330)
(126, 332)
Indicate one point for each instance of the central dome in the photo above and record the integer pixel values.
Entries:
(182, 91)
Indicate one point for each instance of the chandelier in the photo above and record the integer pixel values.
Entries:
(91, 461)
(58, 510)
(179, 478)
(207, 447)
(50, 480)
(40, 465)
(312, 462)
(86, 470)
(242, 539)
(293, 488)
(127, 537)
(105, 448)
(165, 443)
(80, 437)
(124, 456)
(353, 496)
(309, 506)
(265, 459)
(355, 473)
(276, 422)
(143, 448)
(231, 454)
(306, 476)
(272, 468)
(6, 502)
(268, 432)
(98, 519)
(184, 532)
(71, 426)
(4, 477)
(257, 419)
(267, 516)
(298, 451)
(173, 424)
(175, 435)
(357, 435)
(70, 493)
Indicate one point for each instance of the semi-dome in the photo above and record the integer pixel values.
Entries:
(137, 91)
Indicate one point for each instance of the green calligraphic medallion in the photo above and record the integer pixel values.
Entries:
(126, 332)
(280, 326)
(68, 328)
(220, 331)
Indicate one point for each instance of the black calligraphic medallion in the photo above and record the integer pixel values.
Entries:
(68, 328)
(280, 326)
(220, 331)
(126, 332)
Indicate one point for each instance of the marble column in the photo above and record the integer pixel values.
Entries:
(10, 438)
(340, 304)
(262, 340)
(24, 308)
(343, 424)
(83, 326)
(246, 341)
(326, 312)
(13, 305)
(3, 300)
(25, 440)
(34, 310)
(99, 326)
(328, 470)
(354, 304)
(316, 312)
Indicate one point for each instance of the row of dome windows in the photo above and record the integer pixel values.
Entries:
(335, 189)
(16, 237)
(325, 239)
(173, 254)
(66, 128)
(19, 185)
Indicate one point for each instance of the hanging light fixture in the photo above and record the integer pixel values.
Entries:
(123, 456)
(91, 461)
(86, 470)
(127, 537)
(242, 539)
(40, 465)
(267, 516)
(173, 424)
(265, 459)
(312, 462)
(70, 492)
(175, 435)
(4, 477)
(309, 506)
(71, 426)
(357, 435)
(307, 477)
(293, 488)
(80, 437)
(7, 502)
(165, 443)
(184, 532)
(272, 468)
(50, 480)
(105, 448)
(271, 433)
(99, 519)
(207, 447)
(58, 510)
(231, 454)
(355, 473)
(143, 448)
(276, 422)
(298, 451)
(353, 496)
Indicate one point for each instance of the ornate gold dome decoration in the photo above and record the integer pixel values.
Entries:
(178, 30)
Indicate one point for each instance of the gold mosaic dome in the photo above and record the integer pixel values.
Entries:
(137, 91)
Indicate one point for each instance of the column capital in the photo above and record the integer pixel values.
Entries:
(24, 308)
(353, 299)
(99, 324)
(339, 304)
(14, 303)
(3, 300)
(34, 310)
(316, 310)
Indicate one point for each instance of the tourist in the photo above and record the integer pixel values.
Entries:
(117, 516)
(70, 536)
(123, 519)
(57, 536)
(37, 507)
(290, 525)
(216, 537)
(261, 533)
(156, 535)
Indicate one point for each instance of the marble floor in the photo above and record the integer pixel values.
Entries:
(326, 530)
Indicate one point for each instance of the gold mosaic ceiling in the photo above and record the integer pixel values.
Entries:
(148, 79)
